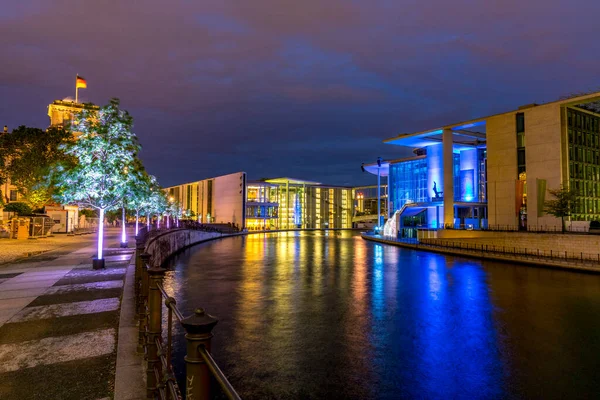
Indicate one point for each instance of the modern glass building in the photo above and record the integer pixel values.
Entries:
(497, 170)
(584, 163)
(281, 203)
(285, 203)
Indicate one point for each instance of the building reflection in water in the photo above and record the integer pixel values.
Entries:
(308, 315)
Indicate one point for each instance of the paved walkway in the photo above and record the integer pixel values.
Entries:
(59, 321)
(17, 250)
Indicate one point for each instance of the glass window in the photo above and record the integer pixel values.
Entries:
(520, 122)
(521, 156)
(520, 140)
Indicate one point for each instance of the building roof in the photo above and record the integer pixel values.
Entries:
(470, 132)
(384, 170)
(291, 180)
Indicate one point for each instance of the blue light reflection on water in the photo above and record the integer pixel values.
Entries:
(308, 315)
(441, 338)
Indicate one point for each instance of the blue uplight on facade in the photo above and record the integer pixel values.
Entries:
(467, 126)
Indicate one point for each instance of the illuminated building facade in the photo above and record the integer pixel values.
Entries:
(497, 170)
(281, 203)
(285, 203)
(61, 112)
(215, 200)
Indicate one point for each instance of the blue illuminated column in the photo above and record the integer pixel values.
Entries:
(469, 176)
(435, 177)
(448, 177)
(435, 169)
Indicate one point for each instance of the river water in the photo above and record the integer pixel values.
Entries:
(330, 316)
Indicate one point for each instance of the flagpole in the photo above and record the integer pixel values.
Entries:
(76, 90)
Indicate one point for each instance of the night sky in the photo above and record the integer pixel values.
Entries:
(307, 89)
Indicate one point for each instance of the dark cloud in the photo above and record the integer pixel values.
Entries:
(298, 88)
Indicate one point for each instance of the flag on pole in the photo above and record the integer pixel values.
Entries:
(80, 83)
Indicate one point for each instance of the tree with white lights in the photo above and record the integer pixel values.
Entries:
(158, 204)
(140, 198)
(105, 150)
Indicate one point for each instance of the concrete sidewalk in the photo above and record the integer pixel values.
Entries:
(59, 321)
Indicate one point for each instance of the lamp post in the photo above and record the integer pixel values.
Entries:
(362, 167)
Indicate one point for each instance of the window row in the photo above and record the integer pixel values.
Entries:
(582, 155)
(582, 171)
(586, 206)
(586, 188)
(583, 138)
(583, 121)
(585, 217)
(261, 212)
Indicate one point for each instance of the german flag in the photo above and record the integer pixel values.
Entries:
(80, 83)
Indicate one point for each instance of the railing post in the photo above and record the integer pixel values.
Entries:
(156, 276)
(198, 329)
(139, 249)
(142, 316)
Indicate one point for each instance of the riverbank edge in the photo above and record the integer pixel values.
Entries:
(129, 372)
(486, 256)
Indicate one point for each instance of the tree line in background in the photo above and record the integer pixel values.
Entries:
(92, 163)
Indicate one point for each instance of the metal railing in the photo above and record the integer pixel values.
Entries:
(516, 228)
(513, 251)
(160, 376)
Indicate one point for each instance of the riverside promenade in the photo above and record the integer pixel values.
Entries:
(587, 263)
(59, 319)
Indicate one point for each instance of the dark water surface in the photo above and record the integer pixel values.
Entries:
(331, 316)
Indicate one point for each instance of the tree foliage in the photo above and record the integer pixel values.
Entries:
(562, 204)
(28, 155)
(140, 188)
(19, 208)
(105, 150)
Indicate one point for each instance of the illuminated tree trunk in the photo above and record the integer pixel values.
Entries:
(137, 221)
(100, 234)
(123, 232)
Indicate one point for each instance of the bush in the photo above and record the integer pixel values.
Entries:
(19, 208)
(88, 213)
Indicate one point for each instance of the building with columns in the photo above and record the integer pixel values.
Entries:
(268, 204)
(61, 112)
(496, 170)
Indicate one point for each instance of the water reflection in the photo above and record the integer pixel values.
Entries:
(332, 316)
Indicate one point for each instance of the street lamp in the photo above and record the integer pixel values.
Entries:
(362, 167)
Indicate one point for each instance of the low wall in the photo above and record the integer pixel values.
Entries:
(539, 241)
(164, 245)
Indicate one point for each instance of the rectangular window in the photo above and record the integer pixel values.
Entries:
(520, 122)
(521, 139)
(14, 195)
(521, 156)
